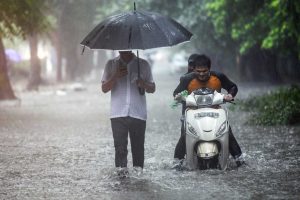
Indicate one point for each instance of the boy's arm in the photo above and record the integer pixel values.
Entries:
(184, 82)
(227, 84)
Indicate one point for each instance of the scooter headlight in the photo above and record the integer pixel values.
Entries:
(204, 100)
(191, 129)
(221, 130)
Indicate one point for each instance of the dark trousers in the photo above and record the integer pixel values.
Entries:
(121, 126)
(180, 149)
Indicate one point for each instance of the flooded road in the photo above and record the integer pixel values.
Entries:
(59, 145)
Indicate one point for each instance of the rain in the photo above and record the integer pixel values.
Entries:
(56, 138)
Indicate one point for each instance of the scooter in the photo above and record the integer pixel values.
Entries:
(207, 130)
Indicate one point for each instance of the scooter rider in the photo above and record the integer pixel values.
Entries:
(203, 77)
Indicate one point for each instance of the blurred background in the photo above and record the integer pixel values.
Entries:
(251, 41)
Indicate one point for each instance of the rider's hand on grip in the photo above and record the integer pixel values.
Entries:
(228, 98)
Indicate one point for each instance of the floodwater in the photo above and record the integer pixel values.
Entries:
(57, 144)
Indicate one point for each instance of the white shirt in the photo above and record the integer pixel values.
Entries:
(125, 97)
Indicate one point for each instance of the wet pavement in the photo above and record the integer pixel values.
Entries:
(57, 144)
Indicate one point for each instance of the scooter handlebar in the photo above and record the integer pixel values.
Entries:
(231, 101)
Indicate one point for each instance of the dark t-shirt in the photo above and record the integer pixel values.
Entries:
(186, 79)
(226, 84)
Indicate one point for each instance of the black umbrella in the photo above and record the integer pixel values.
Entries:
(136, 30)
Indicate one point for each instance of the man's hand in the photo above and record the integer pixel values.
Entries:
(149, 87)
(120, 72)
(228, 97)
(177, 97)
(108, 85)
(140, 83)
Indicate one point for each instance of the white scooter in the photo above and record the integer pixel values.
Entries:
(207, 130)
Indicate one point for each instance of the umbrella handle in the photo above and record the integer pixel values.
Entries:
(141, 90)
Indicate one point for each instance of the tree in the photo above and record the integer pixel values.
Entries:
(22, 19)
(245, 36)
(33, 21)
(73, 20)
(6, 91)
(267, 33)
(7, 29)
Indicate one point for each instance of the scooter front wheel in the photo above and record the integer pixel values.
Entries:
(211, 163)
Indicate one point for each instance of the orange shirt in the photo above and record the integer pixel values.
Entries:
(212, 83)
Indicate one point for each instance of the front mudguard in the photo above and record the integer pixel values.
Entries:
(191, 154)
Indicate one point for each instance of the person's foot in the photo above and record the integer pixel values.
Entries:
(122, 172)
(138, 171)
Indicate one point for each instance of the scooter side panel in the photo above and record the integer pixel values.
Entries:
(191, 156)
(224, 154)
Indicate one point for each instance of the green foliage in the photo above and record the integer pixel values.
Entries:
(269, 24)
(223, 29)
(280, 107)
(21, 18)
(8, 16)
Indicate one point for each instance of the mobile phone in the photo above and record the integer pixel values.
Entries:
(122, 66)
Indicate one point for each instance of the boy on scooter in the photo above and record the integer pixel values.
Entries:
(200, 77)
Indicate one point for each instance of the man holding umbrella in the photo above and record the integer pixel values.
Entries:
(128, 76)
(128, 106)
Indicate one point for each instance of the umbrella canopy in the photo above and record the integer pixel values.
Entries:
(136, 30)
